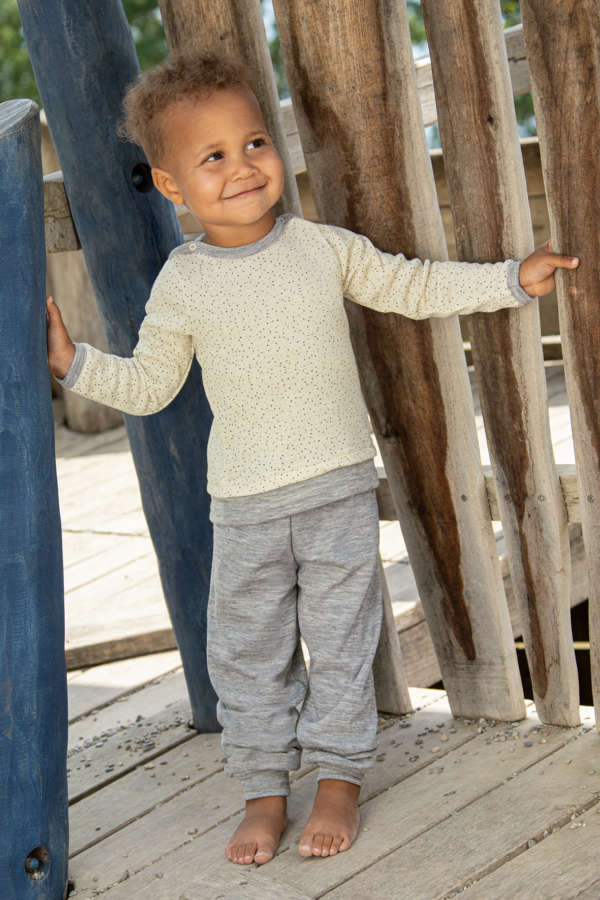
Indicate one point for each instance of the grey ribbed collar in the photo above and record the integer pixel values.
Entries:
(197, 245)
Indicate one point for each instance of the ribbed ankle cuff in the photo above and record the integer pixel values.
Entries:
(338, 775)
(266, 784)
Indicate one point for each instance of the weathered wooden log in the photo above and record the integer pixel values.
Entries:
(352, 80)
(33, 683)
(237, 29)
(127, 235)
(519, 73)
(563, 46)
(492, 222)
(391, 684)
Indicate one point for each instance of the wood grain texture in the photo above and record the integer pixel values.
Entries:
(352, 81)
(562, 866)
(563, 47)
(391, 685)
(505, 798)
(488, 193)
(33, 686)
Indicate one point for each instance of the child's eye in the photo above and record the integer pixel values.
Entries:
(214, 156)
(257, 142)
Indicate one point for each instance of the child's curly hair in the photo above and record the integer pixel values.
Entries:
(184, 75)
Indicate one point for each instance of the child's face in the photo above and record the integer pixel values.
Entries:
(221, 162)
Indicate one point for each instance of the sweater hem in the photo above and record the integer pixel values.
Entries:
(251, 491)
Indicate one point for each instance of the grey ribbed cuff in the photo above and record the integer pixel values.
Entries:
(353, 778)
(266, 784)
(514, 286)
(75, 368)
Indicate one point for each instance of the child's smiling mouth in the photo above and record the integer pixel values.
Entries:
(248, 192)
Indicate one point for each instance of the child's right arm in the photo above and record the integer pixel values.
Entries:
(139, 385)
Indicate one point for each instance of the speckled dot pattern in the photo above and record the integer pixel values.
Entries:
(268, 326)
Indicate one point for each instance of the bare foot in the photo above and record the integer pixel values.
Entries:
(334, 819)
(258, 834)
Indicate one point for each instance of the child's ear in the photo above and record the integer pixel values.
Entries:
(166, 184)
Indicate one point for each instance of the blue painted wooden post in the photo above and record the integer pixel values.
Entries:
(33, 682)
(84, 58)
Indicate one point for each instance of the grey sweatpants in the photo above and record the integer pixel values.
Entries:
(314, 574)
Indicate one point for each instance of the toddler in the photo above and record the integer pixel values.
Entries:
(259, 301)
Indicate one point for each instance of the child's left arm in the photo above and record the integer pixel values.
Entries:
(421, 289)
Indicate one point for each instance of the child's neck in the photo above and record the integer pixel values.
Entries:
(239, 235)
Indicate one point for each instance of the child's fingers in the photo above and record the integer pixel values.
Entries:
(558, 260)
(563, 262)
(52, 310)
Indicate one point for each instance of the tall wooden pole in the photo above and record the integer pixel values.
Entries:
(84, 58)
(237, 29)
(488, 194)
(562, 39)
(351, 75)
(33, 681)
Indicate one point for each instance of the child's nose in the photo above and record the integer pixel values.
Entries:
(241, 167)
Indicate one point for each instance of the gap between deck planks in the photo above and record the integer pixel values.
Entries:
(449, 801)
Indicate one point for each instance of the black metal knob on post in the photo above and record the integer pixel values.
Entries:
(141, 176)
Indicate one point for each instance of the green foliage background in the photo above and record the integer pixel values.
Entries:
(17, 80)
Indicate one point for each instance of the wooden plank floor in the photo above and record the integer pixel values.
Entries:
(491, 809)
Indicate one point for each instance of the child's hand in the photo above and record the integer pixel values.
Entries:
(536, 274)
(61, 349)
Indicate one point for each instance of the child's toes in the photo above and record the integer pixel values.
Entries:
(249, 853)
(335, 845)
(262, 856)
(326, 847)
(317, 844)
(305, 846)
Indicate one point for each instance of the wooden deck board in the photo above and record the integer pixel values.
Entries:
(563, 864)
(450, 804)
(92, 688)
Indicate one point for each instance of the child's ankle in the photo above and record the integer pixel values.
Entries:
(338, 786)
(272, 803)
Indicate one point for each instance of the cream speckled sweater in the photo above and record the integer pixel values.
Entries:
(267, 324)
